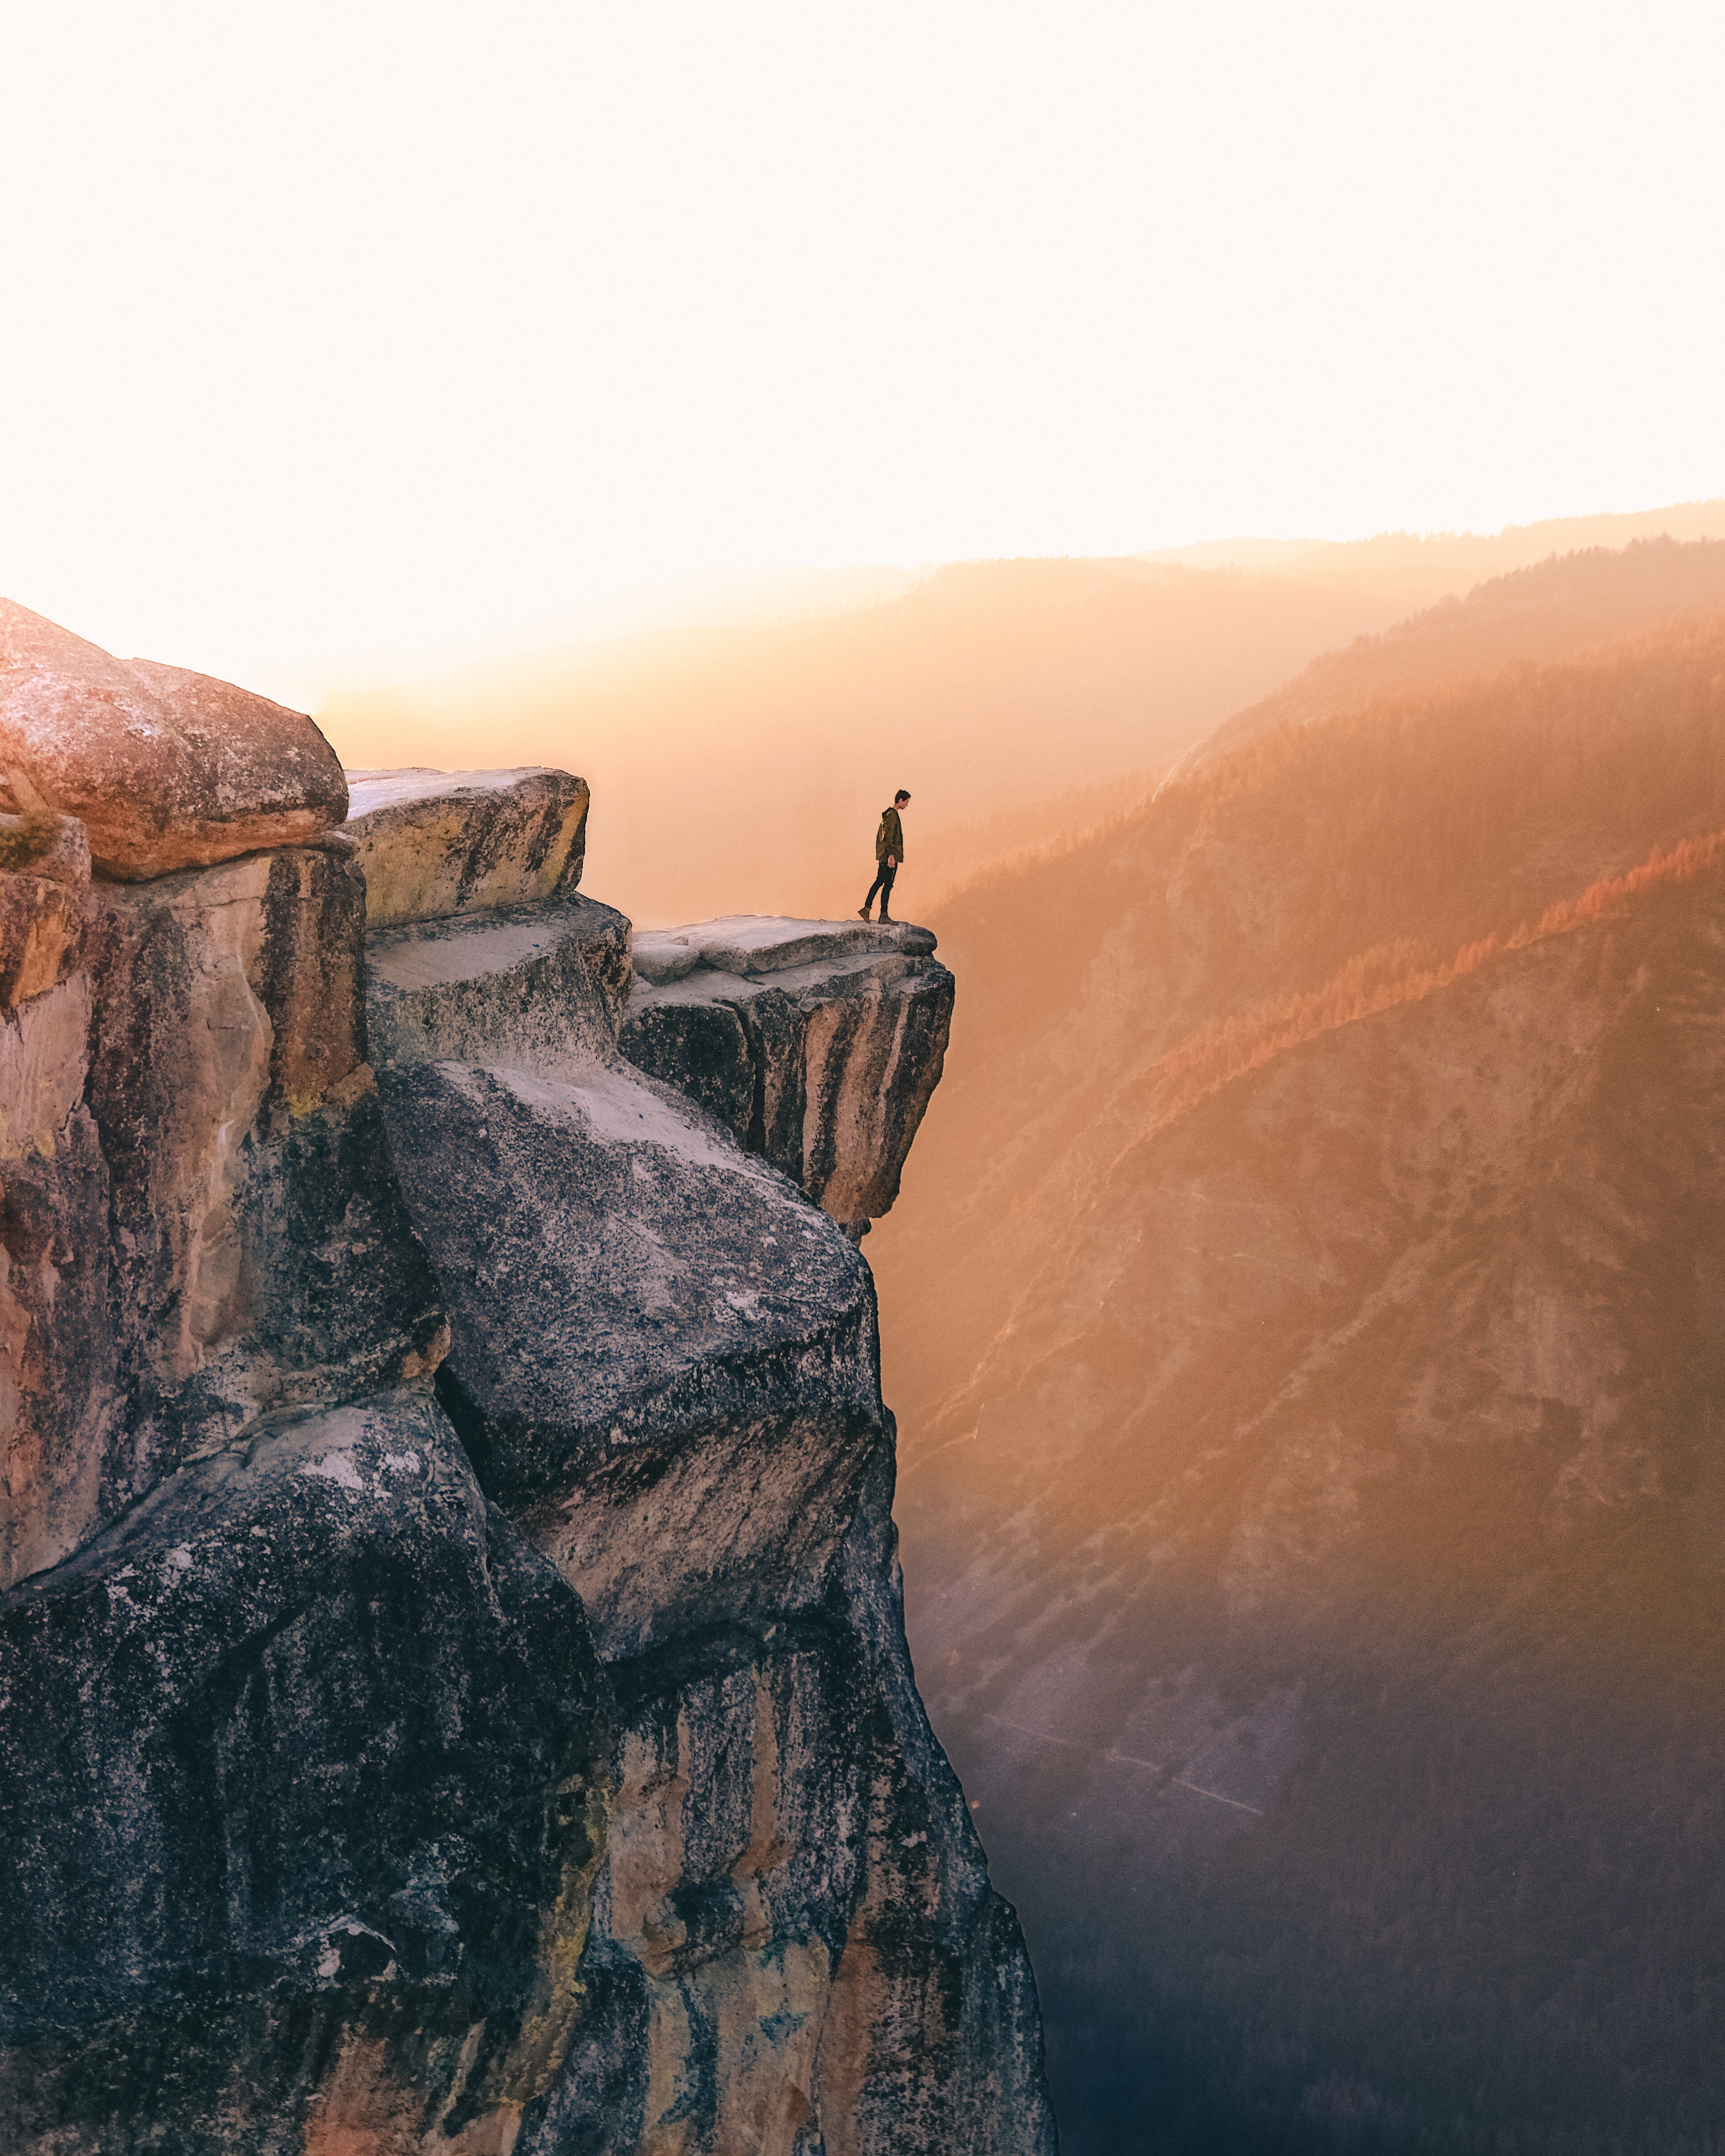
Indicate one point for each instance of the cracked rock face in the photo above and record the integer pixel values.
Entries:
(165, 769)
(298, 1767)
(199, 1217)
(816, 1044)
(532, 1765)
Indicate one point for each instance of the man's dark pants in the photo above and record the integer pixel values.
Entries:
(883, 884)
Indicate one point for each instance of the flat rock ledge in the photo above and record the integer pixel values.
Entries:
(754, 944)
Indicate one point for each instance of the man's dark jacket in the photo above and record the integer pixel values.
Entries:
(890, 838)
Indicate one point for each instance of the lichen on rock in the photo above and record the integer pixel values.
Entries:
(452, 1685)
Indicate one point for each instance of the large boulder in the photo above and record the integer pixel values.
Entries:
(649, 1329)
(438, 843)
(303, 1793)
(166, 769)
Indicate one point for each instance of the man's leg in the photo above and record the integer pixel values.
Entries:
(886, 877)
(880, 877)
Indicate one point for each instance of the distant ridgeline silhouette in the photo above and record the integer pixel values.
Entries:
(1026, 701)
(1315, 1540)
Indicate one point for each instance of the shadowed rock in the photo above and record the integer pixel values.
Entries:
(794, 1921)
(648, 1329)
(537, 989)
(437, 843)
(166, 769)
(818, 1043)
(299, 1767)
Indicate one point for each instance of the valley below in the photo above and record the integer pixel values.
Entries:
(1305, 1324)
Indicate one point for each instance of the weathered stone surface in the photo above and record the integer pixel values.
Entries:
(199, 1218)
(824, 1063)
(648, 1328)
(314, 1737)
(302, 1787)
(753, 943)
(44, 879)
(664, 1363)
(166, 769)
(794, 1920)
(438, 843)
(538, 988)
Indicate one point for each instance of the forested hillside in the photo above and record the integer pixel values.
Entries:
(1305, 1337)
(1570, 603)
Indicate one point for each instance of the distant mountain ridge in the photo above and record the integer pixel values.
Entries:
(1307, 1331)
(1561, 606)
(1018, 700)
(1461, 557)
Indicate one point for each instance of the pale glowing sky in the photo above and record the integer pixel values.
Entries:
(342, 338)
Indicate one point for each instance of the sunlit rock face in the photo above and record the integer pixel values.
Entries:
(202, 1222)
(818, 1043)
(165, 769)
(522, 1754)
(434, 843)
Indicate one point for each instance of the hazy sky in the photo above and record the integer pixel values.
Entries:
(363, 335)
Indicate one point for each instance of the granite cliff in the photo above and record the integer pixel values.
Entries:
(452, 1684)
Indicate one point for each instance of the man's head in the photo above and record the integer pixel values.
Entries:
(900, 798)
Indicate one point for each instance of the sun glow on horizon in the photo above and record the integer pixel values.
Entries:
(384, 339)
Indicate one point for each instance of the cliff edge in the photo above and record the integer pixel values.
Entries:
(452, 1685)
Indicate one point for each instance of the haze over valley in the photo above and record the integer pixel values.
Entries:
(641, 1517)
(1300, 1317)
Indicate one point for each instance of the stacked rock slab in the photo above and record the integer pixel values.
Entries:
(433, 843)
(559, 1785)
(301, 1745)
(664, 1363)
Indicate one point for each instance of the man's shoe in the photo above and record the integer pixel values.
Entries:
(887, 920)
(862, 913)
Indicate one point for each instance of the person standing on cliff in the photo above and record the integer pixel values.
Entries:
(889, 852)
